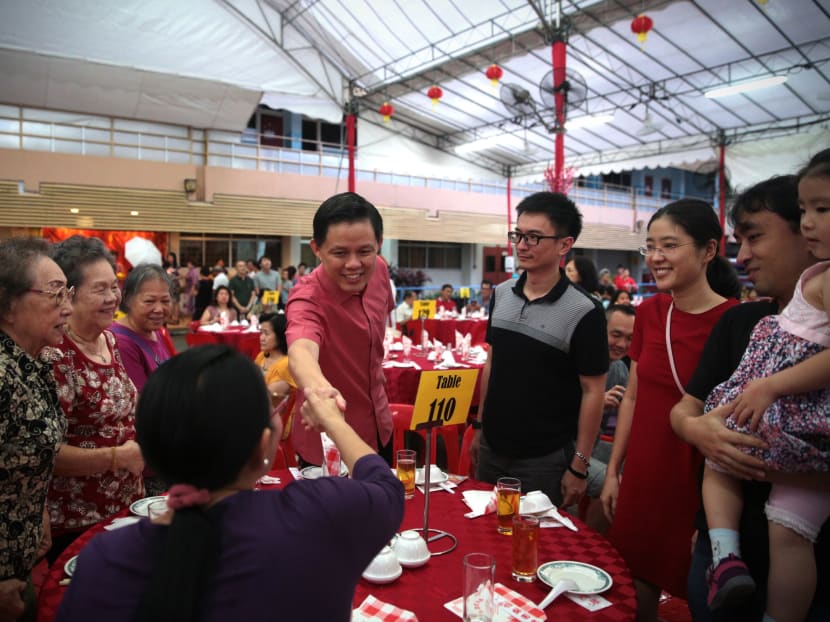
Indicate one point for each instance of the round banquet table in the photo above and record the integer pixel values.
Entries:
(237, 337)
(402, 382)
(444, 330)
(425, 590)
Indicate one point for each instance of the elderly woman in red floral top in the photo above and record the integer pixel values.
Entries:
(98, 467)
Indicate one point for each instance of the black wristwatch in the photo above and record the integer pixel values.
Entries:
(476, 424)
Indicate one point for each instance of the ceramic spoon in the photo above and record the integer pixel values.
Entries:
(565, 585)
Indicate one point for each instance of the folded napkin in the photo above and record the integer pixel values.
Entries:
(510, 606)
(372, 609)
(480, 502)
(412, 364)
(448, 361)
(268, 480)
(123, 521)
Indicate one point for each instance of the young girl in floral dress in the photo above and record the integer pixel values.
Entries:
(781, 392)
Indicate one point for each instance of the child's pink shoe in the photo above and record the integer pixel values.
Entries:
(730, 583)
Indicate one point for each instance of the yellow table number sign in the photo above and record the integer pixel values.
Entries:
(270, 297)
(443, 397)
(464, 292)
(423, 308)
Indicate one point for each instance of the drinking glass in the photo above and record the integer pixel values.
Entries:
(525, 547)
(508, 490)
(157, 509)
(479, 580)
(406, 471)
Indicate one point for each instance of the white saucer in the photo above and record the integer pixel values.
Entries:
(315, 472)
(589, 579)
(382, 580)
(433, 478)
(139, 508)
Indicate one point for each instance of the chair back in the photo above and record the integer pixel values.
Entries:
(464, 462)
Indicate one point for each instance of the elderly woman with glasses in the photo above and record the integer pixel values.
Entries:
(98, 468)
(34, 309)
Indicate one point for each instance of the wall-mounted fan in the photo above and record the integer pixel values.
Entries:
(517, 100)
(575, 88)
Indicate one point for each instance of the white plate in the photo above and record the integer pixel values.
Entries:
(69, 566)
(434, 478)
(139, 508)
(314, 472)
(381, 580)
(588, 578)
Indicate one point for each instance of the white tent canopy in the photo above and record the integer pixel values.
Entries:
(208, 63)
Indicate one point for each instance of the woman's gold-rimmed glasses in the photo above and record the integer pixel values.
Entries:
(60, 295)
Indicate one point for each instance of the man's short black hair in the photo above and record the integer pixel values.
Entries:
(345, 207)
(560, 210)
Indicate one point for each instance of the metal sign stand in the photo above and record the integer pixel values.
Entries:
(433, 535)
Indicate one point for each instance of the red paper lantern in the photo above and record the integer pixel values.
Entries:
(494, 74)
(387, 110)
(435, 93)
(640, 26)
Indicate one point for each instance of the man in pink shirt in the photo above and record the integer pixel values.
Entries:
(337, 317)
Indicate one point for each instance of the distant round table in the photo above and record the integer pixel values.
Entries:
(444, 330)
(238, 337)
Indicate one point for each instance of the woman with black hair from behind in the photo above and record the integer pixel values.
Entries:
(583, 272)
(223, 549)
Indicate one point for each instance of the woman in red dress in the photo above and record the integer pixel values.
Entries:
(98, 467)
(652, 508)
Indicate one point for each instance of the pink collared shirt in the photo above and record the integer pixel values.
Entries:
(349, 330)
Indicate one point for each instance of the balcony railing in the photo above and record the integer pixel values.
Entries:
(56, 132)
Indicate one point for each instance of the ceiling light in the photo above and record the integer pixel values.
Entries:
(588, 121)
(74, 210)
(133, 213)
(744, 87)
(499, 140)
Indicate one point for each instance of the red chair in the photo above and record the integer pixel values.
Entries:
(464, 463)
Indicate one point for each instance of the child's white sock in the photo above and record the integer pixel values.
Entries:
(724, 543)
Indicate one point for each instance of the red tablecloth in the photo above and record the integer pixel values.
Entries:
(402, 382)
(425, 590)
(236, 337)
(444, 330)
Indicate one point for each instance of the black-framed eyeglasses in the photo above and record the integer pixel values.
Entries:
(60, 295)
(531, 239)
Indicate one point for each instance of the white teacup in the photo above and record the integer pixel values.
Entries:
(535, 501)
(411, 549)
(384, 568)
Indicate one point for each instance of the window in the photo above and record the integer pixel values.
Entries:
(665, 188)
(429, 255)
(617, 179)
(648, 189)
(207, 249)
